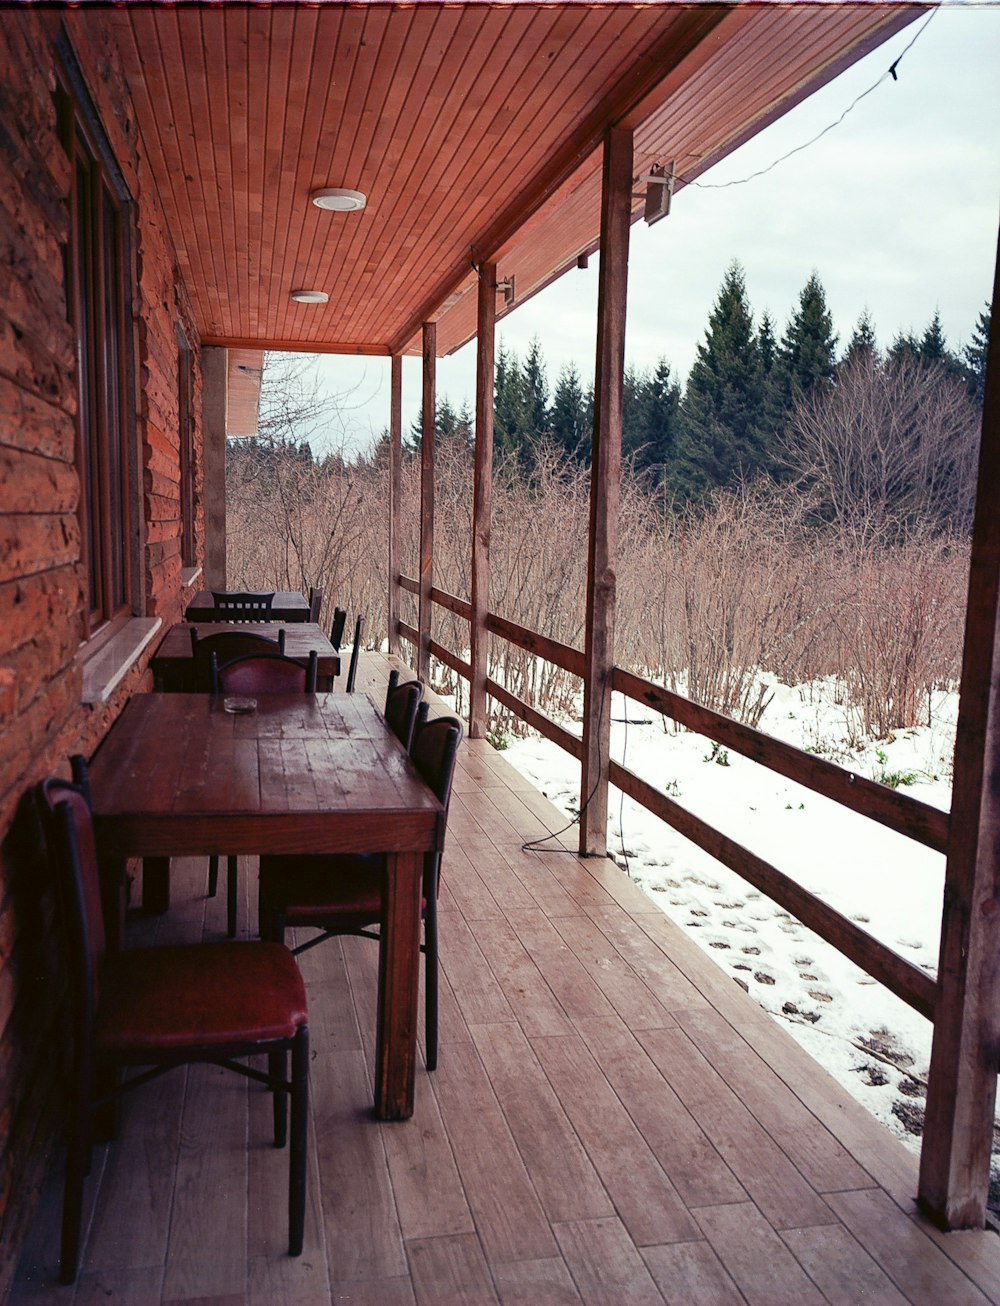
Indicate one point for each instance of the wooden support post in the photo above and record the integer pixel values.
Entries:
(427, 430)
(605, 477)
(482, 498)
(961, 1092)
(214, 417)
(395, 487)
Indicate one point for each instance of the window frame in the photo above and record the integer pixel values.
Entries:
(100, 285)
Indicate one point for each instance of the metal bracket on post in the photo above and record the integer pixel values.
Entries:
(507, 288)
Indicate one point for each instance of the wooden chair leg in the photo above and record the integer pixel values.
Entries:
(277, 1069)
(431, 988)
(232, 900)
(298, 1159)
(213, 876)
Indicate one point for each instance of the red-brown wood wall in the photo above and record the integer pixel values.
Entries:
(42, 718)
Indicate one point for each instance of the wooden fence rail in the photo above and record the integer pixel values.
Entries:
(899, 812)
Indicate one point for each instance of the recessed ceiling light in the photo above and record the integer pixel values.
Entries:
(339, 200)
(310, 296)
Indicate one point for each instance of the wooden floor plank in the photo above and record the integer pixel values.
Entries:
(690, 1274)
(840, 1267)
(451, 1270)
(566, 1182)
(570, 982)
(605, 1263)
(210, 1189)
(675, 1138)
(758, 1261)
(910, 1258)
(768, 1176)
(361, 1227)
(816, 1153)
(625, 990)
(530, 1283)
(372, 1292)
(509, 1217)
(644, 1197)
(528, 995)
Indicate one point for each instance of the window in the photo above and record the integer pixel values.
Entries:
(98, 299)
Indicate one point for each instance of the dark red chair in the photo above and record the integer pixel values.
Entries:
(402, 702)
(342, 893)
(226, 645)
(266, 673)
(164, 1007)
(255, 673)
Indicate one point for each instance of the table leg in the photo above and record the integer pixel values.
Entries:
(398, 988)
(155, 885)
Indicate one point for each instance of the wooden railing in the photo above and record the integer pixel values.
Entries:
(899, 812)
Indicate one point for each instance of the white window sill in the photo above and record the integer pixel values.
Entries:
(106, 667)
(189, 575)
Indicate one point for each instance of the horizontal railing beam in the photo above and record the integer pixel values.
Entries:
(907, 981)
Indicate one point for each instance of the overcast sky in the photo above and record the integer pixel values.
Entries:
(896, 209)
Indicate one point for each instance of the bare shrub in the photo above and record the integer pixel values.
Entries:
(889, 449)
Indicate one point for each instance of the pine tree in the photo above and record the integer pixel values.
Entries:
(654, 431)
(568, 419)
(508, 404)
(806, 355)
(862, 344)
(723, 437)
(934, 349)
(905, 345)
(535, 392)
(974, 355)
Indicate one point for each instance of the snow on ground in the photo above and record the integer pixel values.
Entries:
(869, 1040)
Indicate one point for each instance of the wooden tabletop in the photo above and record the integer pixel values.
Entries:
(178, 775)
(286, 605)
(173, 664)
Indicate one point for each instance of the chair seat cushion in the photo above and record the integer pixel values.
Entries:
(202, 994)
(306, 888)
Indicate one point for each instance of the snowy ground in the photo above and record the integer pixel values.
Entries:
(872, 1042)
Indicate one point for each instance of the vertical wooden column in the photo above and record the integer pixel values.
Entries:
(395, 488)
(214, 418)
(427, 431)
(482, 497)
(605, 477)
(958, 1127)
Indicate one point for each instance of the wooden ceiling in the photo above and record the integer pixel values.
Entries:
(474, 130)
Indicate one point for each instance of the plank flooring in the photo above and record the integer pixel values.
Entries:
(612, 1121)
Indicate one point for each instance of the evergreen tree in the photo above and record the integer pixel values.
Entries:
(534, 392)
(508, 404)
(723, 435)
(934, 349)
(862, 344)
(905, 345)
(974, 355)
(805, 357)
(653, 433)
(569, 419)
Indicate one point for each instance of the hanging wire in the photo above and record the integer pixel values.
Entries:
(889, 72)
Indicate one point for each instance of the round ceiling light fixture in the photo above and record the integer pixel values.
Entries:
(310, 296)
(339, 200)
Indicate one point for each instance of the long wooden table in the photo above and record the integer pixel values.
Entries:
(178, 776)
(287, 605)
(173, 661)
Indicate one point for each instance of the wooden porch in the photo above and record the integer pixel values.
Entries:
(613, 1120)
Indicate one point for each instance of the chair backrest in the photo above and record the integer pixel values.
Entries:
(242, 605)
(352, 670)
(225, 645)
(401, 704)
(71, 852)
(266, 673)
(315, 603)
(337, 629)
(433, 751)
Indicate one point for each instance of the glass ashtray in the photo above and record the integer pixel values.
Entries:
(240, 706)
